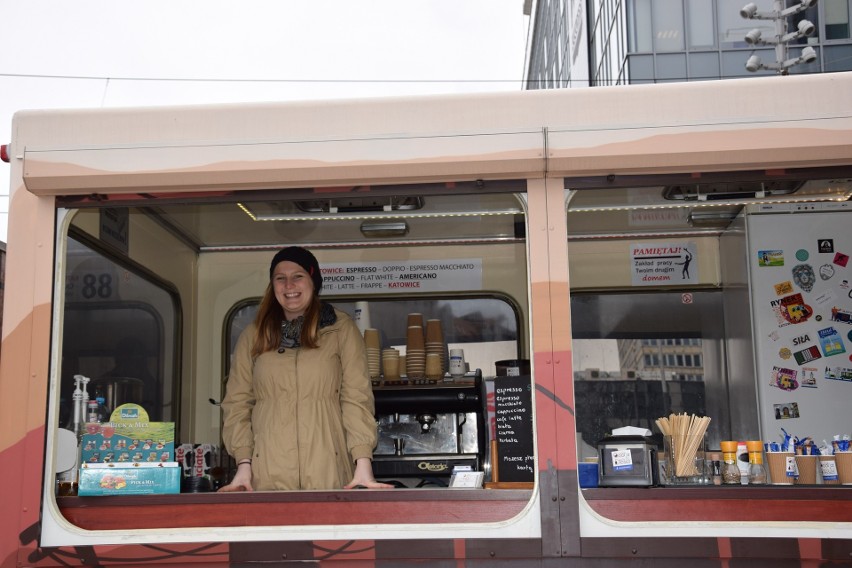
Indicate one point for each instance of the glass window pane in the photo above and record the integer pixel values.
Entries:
(619, 378)
(699, 15)
(668, 25)
(120, 331)
(836, 19)
(639, 29)
(671, 66)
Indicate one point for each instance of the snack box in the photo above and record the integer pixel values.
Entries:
(98, 479)
(128, 437)
(128, 442)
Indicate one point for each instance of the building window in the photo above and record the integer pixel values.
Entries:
(836, 19)
(699, 22)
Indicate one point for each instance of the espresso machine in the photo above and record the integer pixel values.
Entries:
(426, 431)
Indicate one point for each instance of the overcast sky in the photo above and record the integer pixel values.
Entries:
(109, 53)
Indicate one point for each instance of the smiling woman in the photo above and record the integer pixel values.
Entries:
(298, 409)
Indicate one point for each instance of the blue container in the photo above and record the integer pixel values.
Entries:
(588, 474)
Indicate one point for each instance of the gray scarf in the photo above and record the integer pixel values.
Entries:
(291, 330)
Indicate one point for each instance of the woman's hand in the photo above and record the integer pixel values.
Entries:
(241, 481)
(364, 476)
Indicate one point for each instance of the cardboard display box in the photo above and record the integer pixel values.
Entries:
(129, 479)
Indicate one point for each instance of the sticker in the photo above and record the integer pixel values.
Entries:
(841, 259)
(818, 317)
(831, 342)
(842, 316)
(773, 335)
(794, 310)
(786, 411)
(803, 276)
(829, 469)
(770, 258)
(802, 339)
(622, 459)
(838, 373)
(785, 353)
(825, 298)
(784, 288)
(784, 379)
(844, 285)
(791, 467)
(802, 255)
(849, 336)
(778, 310)
(826, 271)
(825, 245)
(807, 355)
(809, 377)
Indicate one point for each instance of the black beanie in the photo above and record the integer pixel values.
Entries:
(303, 258)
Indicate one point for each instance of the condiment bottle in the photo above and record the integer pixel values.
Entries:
(730, 469)
(756, 471)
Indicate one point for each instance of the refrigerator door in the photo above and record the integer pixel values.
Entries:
(801, 290)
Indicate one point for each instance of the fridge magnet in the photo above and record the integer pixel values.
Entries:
(770, 258)
(831, 342)
(794, 309)
(826, 271)
(784, 288)
(778, 310)
(838, 373)
(785, 411)
(826, 245)
(802, 255)
(784, 379)
(785, 353)
(842, 316)
(803, 276)
(841, 259)
(809, 375)
(807, 355)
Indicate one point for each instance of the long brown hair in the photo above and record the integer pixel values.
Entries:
(268, 320)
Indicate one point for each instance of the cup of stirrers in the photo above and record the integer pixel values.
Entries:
(684, 438)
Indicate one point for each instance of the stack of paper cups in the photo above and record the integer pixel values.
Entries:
(415, 353)
(435, 342)
(374, 351)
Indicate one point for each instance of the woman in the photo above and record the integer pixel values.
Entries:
(298, 408)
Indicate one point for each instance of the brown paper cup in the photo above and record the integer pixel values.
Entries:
(415, 339)
(433, 366)
(434, 334)
(415, 319)
(828, 469)
(807, 469)
(371, 338)
(844, 466)
(778, 466)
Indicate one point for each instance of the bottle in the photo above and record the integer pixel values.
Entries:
(93, 416)
(756, 471)
(730, 469)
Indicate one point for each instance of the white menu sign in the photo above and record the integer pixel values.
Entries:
(402, 276)
(663, 264)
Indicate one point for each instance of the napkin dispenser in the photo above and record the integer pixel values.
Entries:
(627, 461)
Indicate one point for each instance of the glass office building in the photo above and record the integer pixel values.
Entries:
(578, 43)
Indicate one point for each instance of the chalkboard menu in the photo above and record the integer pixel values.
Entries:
(513, 412)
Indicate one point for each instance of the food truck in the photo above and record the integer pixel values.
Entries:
(594, 262)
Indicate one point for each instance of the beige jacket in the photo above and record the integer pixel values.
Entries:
(303, 416)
